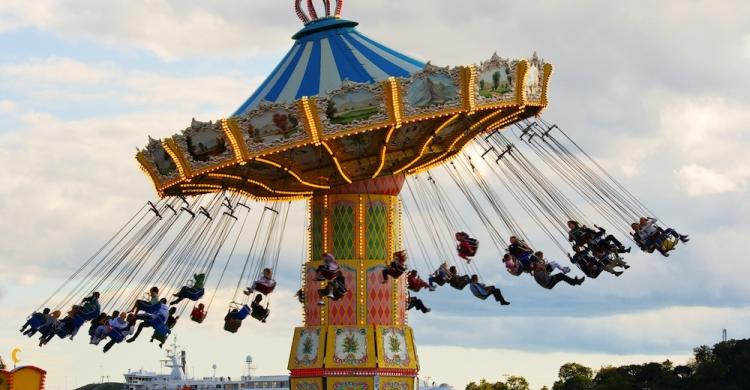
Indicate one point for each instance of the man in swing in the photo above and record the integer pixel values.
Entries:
(149, 319)
(482, 291)
(543, 274)
(151, 305)
(457, 281)
(193, 293)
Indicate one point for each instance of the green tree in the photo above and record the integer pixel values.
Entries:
(517, 383)
(574, 376)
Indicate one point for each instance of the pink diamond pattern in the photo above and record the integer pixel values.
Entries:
(344, 311)
(312, 310)
(378, 297)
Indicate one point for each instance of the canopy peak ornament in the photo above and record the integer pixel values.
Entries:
(312, 14)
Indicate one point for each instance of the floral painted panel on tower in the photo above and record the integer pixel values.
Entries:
(350, 346)
(307, 348)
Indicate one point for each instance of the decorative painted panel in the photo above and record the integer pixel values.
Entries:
(343, 223)
(377, 231)
(350, 383)
(271, 127)
(378, 297)
(344, 311)
(306, 384)
(204, 146)
(307, 348)
(395, 347)
(161, 162)
(396, 383)
(353, 107)
(496, 82)
(350, 346)
(431, 91)
(534, 79)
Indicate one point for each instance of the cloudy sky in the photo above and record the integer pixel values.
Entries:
(656, 90)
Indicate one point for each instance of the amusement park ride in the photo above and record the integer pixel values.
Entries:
(343, 122)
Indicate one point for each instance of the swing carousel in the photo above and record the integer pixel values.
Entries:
(341, 122)
(345, 123)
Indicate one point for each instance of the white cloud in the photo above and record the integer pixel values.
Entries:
(62, 81)
(746, 47)
(698, 180)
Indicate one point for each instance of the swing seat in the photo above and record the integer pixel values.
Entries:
(260, 315)
(161, 332)
(327, 274)
(459, 283)
(36, 320)
(148, 307)
(232, 325)
(116, 335)
(263, 289)
(193, 294)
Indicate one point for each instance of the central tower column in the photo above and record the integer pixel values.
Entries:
(361, 341)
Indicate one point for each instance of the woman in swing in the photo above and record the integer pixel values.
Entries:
(264, 285)
(329, 269)
(467, 246)
(194, 292)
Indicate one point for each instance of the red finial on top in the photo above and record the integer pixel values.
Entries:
(312, 14)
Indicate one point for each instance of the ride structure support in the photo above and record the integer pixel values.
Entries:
(361, 341)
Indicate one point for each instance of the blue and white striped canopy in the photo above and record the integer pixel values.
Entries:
(326, 52)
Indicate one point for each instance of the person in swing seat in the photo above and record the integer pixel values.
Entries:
(151, 319)
(35, 321)
(327, 270)
(482, 291)
(467, 246)
(264, 285)
(151, 305)
(198, 314)
(193, 292)
(521, 252)
(415, 283)
(543, 275)
(654, 236)
(416, 303)
(257, 310)
(335, 289)
(440, 276)
(396, 268)
(457, 281)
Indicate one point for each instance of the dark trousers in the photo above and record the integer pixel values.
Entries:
(560, 277)
(415, 302)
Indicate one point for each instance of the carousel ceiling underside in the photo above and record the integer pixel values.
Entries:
(356, 132)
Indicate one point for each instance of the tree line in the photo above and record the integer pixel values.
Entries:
(725, 366)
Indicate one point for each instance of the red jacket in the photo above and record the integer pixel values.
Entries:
(416, 283)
